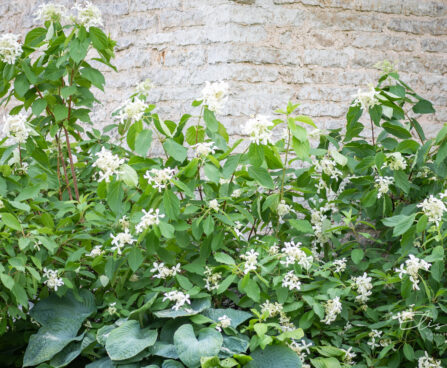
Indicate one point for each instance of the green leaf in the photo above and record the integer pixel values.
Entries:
(143, 142)
(21, 85)
(262, 176)
(78, 49)
(175, 150)
(302, 226)
(302, 149)
(396, 129)
(60, 112)
(357, 255)
(7, 280)
(210, 120)
(195, 134)
(401, 180)
(128, 340)
(274, 356)
(237, 316)
(135, 258)
(128, 175)
(67, 91)
(115, 196)
(423, 107)
(38, 106)
(400, 223)
(171, 204)
(191, 348)
(11, 221)
(197, 306)
(325, 363)
(94, 76)
(224, 258)
(35, 36)
(99, 39)
(338, 157)
(408, 352)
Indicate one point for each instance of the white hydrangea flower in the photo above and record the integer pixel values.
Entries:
(52, 281)
(178, 297)
(291, 281)
(406, 315)
(366, 99)
(149, 218)
(214, 205)
(10, 48)
(272, 309)
(95, 252)
(340, 265)
(383, 185)
(88, 14)
(160, 178)
(112, 309)
(294, 254)
(328, 166)
(349, 356)
(251, 261)
(164, 272)
(259, 130)
(332, 309)
(51, 12)
(124, 222)
(212, 279)
(395, 161)
(411, 268)
(132, 110)
(427, 361)
(224, 322)
(2, 204)
(107, 163)
(204, 149)
(283, 208)
(215, 95)
(144, 87)
(316, 133)
(237, 229)
(387, 66)
(120, 240)
(16, 128)
(236, 193)
(363, 286)
(433, 208)
(273, 250)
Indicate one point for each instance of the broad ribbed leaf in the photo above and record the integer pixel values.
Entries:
(237, 316)
(274, 356)
(197, 306)
(128, 340)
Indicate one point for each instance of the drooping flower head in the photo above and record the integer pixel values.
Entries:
(108, 164)
(332, 309)
(16, 128)
(433, 208)
(132, 110)
(159, 178)
(88, 14)
(144, 87)
(204, 149)
(51, 12)
(10, 48)
(411, 268)
(178, 297)
(149, 218)
(366, 99)
(259, 130)
(383, 185)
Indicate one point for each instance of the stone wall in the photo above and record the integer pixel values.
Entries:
(317, 52)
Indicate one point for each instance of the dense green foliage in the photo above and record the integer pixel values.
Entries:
(282, 253)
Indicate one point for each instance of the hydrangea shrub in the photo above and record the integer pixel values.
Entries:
(316, 249)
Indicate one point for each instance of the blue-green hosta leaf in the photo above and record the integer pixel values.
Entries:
(274, 356)
(234, 345)
(191, 348)
(197, 306)
(71, 352)
(237, 316)
(103, 333)
(102, 363)
(172, 364)
(128, 340)
(164, 350)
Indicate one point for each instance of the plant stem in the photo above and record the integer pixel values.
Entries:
(61, 157)
(73, 173)
(372, 132)
(198, 124)
(285, 165)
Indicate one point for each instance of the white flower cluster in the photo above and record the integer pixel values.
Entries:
(259, 130)
(433, 208)
(411, 268)
(349, 356)
(332, 309)
(88, 14)
(251, 260)
(363, 286)
(51, 12)
(317, 219)
(159, 178)
(406, 315)
(214, 205)
(291, 281)
(16, 128)
(149, 218)
(132, 110)
(112, 309)
(204, 149)
(52, 281)
(387, 66)
(374, 334)
(366, 99)
(10, 48)
(427, 361)
(178, 297)
(215, 95)
(383, 185)
(328, 166)
(283, 208)
(237, 229)
(120, 240)
(294, 254)
(395, 161)
(95, 252)
(124, 222)
(144, 87)
(340, 265)
(164, 272)
(275, 309)
(108, 164)
(212, 279)
(301, 348)
(224, 322)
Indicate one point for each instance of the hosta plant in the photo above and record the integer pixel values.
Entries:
(295, 247)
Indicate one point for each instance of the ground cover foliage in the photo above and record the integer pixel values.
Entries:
(280, 254)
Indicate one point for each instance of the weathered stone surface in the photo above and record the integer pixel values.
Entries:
(317, 52)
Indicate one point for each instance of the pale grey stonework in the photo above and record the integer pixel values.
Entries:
(316, 52)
